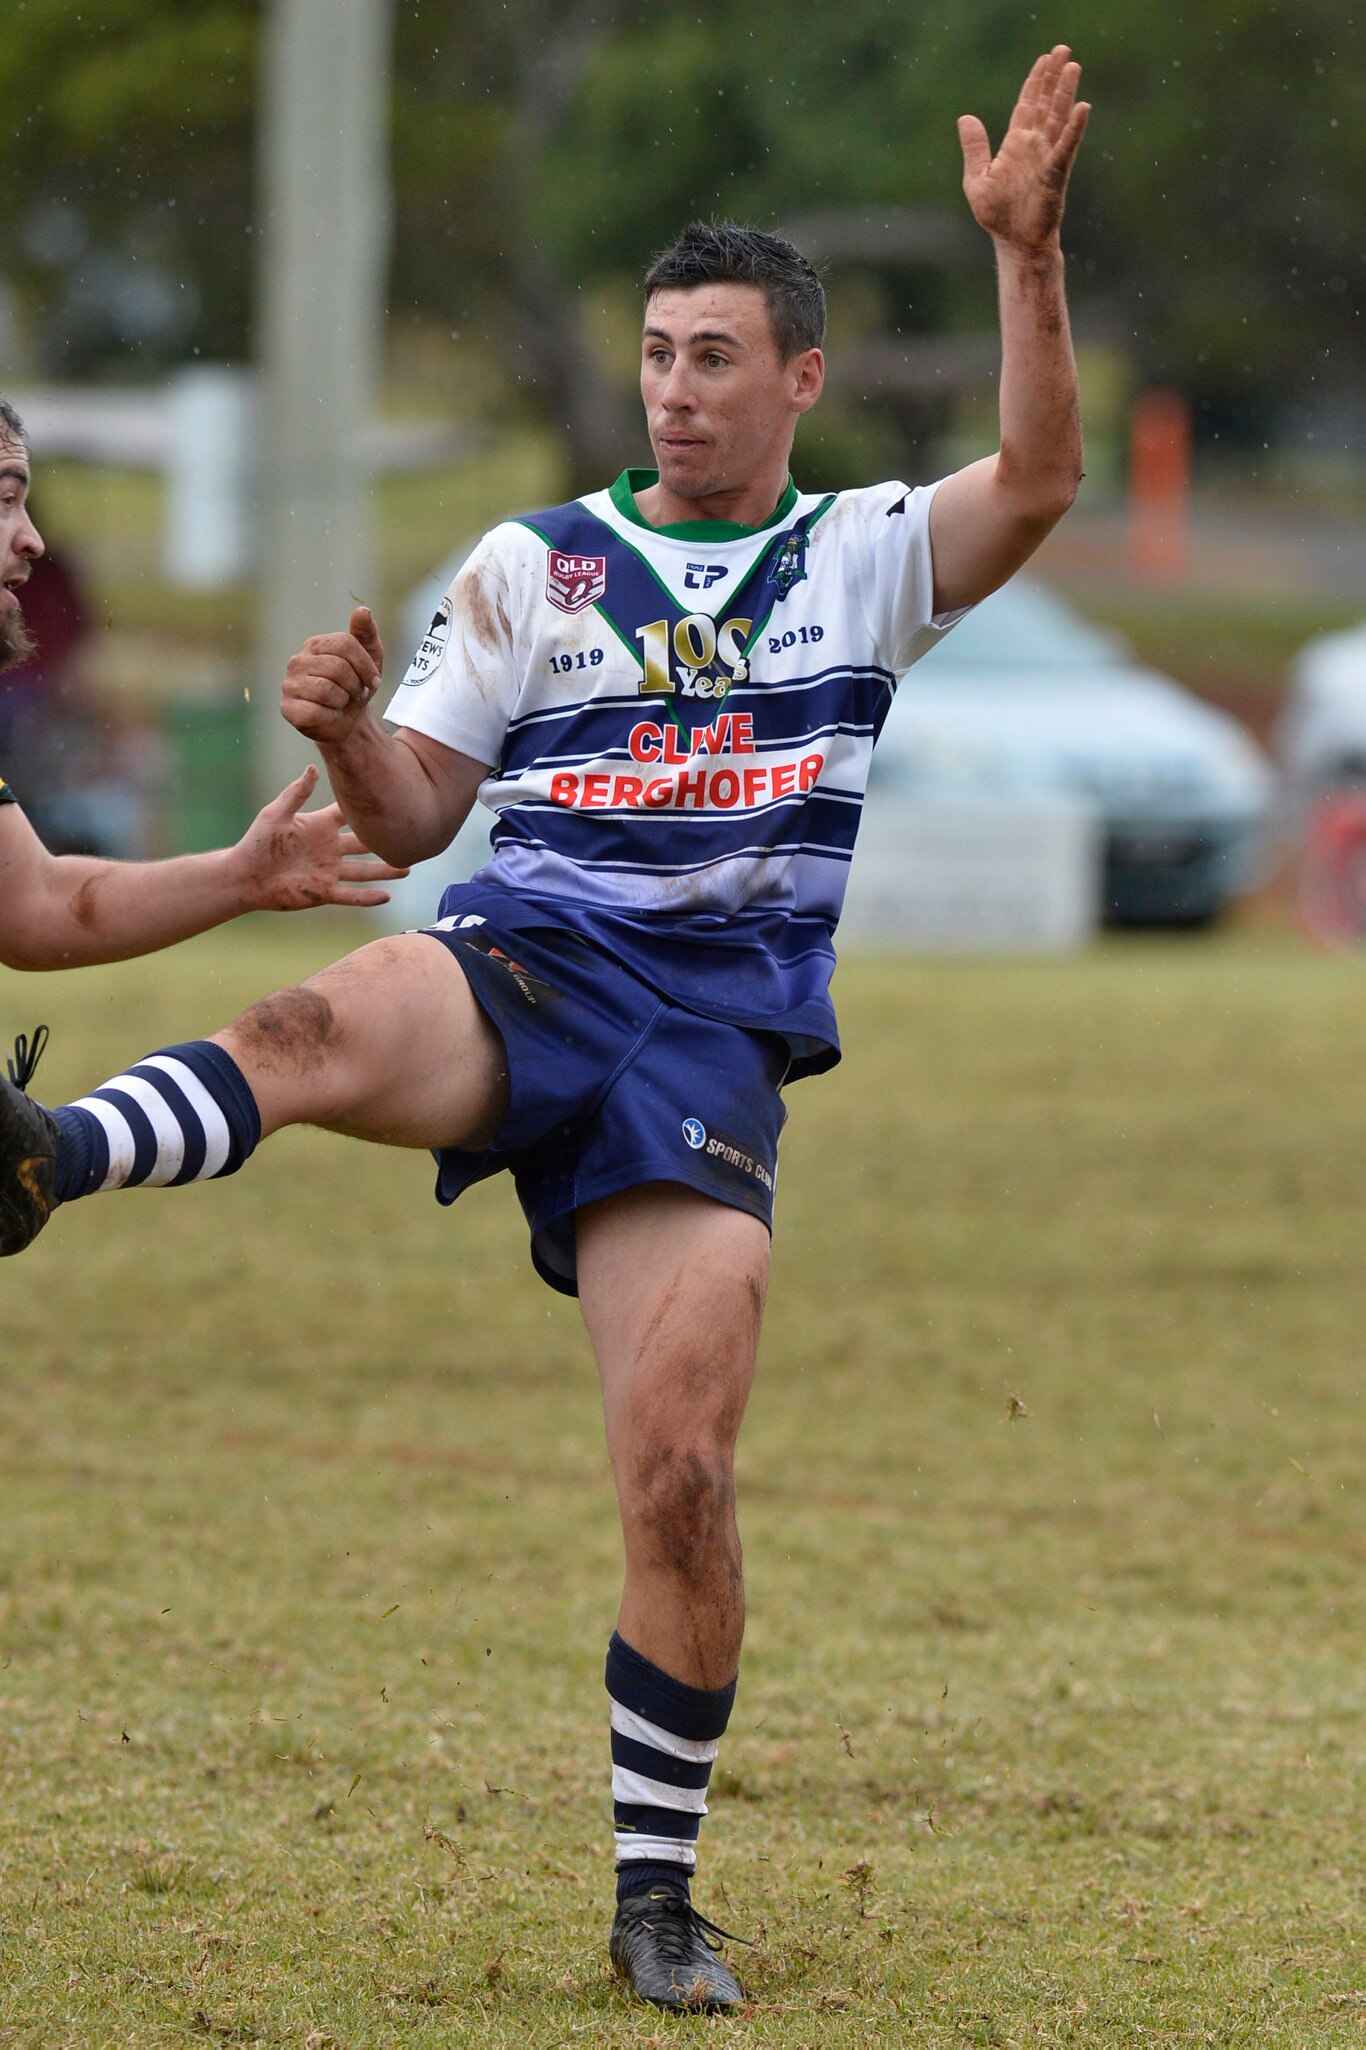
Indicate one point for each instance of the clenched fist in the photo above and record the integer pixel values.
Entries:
(329, 684)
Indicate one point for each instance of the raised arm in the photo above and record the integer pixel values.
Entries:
(406, 795)
(986, 520)
(73, 911)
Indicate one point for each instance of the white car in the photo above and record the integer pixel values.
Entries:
(1321, 733)
(1024, 698)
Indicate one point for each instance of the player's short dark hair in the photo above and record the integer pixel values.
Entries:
(720, 253)
(11, 426)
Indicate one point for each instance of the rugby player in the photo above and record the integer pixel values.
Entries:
(67, 911)
(668, 692)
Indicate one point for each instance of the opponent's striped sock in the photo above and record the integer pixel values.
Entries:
(182, 1115)
(665, 1736)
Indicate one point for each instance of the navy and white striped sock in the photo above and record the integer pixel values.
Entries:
(185, 1114)
(665, 1737)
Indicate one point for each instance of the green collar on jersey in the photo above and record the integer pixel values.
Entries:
(623, 497)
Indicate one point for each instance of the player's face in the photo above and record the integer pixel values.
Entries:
(20, 546)
(720, 402)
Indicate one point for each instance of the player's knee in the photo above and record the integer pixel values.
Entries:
(295, 1030)
(680, 1504)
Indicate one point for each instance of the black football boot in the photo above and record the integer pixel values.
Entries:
(667, 1953)
(28, 1150)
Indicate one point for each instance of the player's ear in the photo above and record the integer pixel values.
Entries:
(807, 372)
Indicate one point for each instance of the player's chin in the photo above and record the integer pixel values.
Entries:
(690, 473)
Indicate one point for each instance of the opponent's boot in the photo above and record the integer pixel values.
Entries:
(28, 1150)
(667, 1953)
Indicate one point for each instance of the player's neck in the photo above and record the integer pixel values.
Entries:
(748, 505)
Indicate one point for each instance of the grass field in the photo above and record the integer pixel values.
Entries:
(1050, 1728)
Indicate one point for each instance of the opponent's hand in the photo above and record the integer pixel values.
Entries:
(293, 859)
(1018, 194)
(329, 684)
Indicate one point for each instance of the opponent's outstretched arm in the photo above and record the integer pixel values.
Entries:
(72, 911)
(986, 520)
(405, 794)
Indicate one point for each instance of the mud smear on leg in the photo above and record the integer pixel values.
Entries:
(688, 1544)
(650, 1335)
(291, 1033)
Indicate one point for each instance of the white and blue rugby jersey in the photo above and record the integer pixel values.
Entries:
(679, 722)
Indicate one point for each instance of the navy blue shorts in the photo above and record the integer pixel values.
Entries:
(609, 1084)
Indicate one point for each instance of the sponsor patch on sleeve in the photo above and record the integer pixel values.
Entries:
(431, 647)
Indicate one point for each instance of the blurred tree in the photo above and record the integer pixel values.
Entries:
(1216, 218)
(1225, 206)
(543, 146)
(128, 158)
(479, 112)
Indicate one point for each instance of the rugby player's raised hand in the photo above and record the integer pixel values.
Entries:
(1017, 195)
(293, 859)
(989, 517)
(329, 684)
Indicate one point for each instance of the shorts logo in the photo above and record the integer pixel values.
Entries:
(574, 581)
(532, 987)
(695, 1134)
(729, 1153)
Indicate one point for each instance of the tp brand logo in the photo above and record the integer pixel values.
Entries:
(700, 576)
(695, 1133)
(574, 581)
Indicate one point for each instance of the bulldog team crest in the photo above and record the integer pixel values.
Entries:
(574, 581)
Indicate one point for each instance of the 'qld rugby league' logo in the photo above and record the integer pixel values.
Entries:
(574, 581)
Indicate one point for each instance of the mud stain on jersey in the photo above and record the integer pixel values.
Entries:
(477, 597)
(474, 598)
(685, 893)
(723, 889)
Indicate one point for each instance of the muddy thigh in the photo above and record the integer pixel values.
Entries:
(388, 1044)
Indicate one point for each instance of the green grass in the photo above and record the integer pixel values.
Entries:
(1050, 1724)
